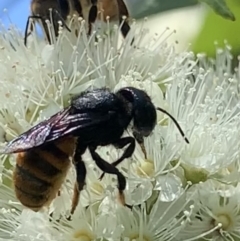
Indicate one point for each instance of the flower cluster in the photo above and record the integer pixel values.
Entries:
(181, 191)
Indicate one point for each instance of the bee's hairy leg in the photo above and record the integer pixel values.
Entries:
(80, 175)
(26, 34)
(111, 169)
(58, 16)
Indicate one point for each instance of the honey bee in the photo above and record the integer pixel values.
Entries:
(51, 10)
(94, 118)
(116, 11)
(59, 10)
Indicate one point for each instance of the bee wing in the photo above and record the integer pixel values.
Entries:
(59, 125)
(36, 135)
(81, 121)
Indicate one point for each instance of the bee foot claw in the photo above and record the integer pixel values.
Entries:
(129, 206)
(101, 177)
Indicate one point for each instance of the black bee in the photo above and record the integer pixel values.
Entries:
(94, 118)
(59, 10)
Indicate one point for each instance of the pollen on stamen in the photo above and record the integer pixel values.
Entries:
(96, 188)
(137, 237)
(145, 168)
(224, 220)
(83, 235)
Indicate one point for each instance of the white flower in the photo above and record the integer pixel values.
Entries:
(39, 80)
(215, 215)
(85, 224)
(155, 221)
(206, 108)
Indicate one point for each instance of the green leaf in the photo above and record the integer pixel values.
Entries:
(215, 31)
(220, 7)
(140, 9)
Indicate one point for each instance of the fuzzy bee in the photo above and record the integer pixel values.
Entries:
(94, 118)
(59, 10)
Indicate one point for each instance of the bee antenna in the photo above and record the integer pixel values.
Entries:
(175, 122)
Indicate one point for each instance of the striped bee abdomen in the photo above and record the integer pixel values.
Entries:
(40, 172)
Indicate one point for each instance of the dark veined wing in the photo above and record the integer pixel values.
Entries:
(37, 135)
(59, 125)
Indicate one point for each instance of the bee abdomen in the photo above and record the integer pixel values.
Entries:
(39, 174)
(33, 201)
(46, 163)
(32, 182)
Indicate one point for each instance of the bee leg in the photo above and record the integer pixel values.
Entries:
(44, 25)
(125, 28)
(51, 218)
(123, 22)
(80, 182)
(92, 15)
(57, 16)
(80, 174)
(75, 198)
(127, 153)
(111, 169)
(26, 34)
(76, 5)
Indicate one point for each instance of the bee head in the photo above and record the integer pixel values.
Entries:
(143, 111)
